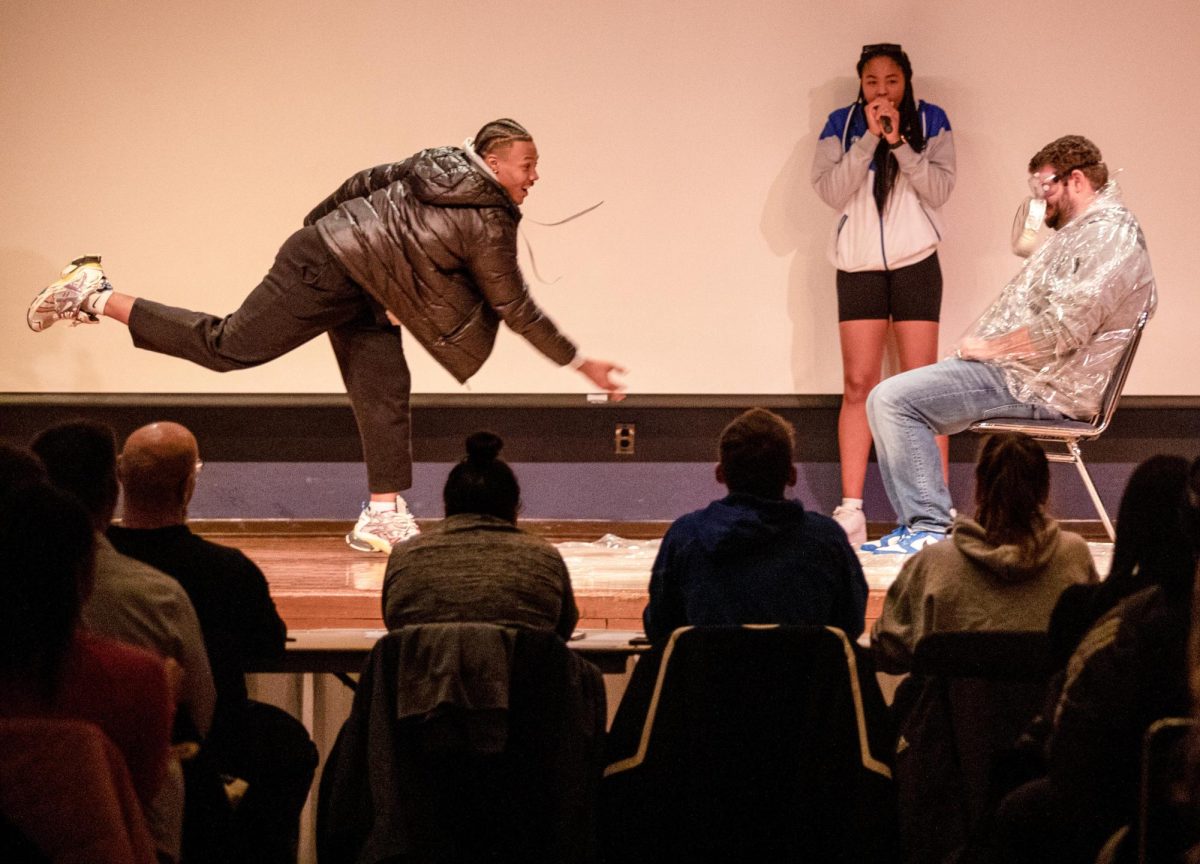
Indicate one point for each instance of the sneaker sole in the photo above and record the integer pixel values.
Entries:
(363, 544)
(39, 319)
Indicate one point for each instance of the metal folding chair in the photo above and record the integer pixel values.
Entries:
(1069, 433)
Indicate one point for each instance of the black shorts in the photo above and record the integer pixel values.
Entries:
(912, 293)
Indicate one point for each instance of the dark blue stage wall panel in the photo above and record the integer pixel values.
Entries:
(620, 493)
(289, 456)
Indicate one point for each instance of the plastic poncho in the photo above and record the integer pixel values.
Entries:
(1071, 310)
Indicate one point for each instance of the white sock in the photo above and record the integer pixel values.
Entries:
(381, 506)
(852, 503)
(95, 302)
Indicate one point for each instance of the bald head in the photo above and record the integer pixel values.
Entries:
(158, 474)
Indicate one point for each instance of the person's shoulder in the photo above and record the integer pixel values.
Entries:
(689, 523)
(114, 653)
(820, 525)
(117, 565)
(228, 558)
(1074, 544)
(836, 121)
(935, 118)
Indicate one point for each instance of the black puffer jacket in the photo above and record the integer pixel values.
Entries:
(434, 240)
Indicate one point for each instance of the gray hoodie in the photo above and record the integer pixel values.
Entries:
(966, 583)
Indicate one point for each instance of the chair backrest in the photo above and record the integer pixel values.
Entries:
(756, 742)
(66, 787)
(970, 696)
(1166, 827)
(1116, 384)
(441, 766)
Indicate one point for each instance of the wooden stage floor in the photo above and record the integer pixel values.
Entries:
(319, 583)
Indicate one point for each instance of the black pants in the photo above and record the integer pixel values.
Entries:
(305, 293)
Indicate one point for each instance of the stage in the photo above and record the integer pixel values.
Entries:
(318, 583)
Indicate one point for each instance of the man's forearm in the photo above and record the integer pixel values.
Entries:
(1014, 344)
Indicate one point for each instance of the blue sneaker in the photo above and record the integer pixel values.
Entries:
(904, 541)
(889, 539)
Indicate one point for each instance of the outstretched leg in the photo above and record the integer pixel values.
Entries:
(304, 294)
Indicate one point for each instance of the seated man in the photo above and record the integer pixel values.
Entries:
(258, 743)
(754, 557)
(1045, 349)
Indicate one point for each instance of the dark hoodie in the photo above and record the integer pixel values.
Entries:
(968, 583)
(749, 560)
(434, 240)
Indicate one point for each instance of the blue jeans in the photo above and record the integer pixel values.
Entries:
(908, 410)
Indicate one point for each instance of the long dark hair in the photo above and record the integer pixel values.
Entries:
(1154, 543)
(886, 166)
(482, 482)
(1012, 484)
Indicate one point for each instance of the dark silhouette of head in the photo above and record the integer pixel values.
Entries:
(46, 546)
(19, 468)
(81, 458)
(1155, 541)
(756, 453)
(482, 482)
(1012, 485)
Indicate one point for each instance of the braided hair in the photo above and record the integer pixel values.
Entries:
(886, 166)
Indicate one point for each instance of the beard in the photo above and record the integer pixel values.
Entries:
(1059, 214)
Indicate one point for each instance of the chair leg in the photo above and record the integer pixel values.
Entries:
(1073, 446)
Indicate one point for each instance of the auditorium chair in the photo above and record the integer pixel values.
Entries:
(754, 743)
(968, 699)
(466, 743)
(1167, 821)
(1069, 433)
(65, 789)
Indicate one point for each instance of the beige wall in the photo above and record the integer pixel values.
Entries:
(185, 141)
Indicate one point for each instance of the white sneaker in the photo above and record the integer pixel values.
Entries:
(380, 530)
(63, 300)
(853, 522)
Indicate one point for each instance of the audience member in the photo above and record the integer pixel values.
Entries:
(1150, 521)
(755, 557)
(1003, 570)
(18, 469)
(1129, 670)
(255, 742)
(477, 565)
(49, 667)
(134, 603)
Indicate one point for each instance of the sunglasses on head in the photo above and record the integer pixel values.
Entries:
(881, 48)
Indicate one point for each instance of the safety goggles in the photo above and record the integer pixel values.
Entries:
(1039, 184)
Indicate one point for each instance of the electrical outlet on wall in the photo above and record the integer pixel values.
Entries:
(624, 438)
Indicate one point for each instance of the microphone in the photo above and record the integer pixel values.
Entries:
(885, 123)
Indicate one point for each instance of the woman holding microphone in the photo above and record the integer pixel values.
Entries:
(886, 164)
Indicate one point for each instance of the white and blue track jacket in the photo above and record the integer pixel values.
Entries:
(843, 173)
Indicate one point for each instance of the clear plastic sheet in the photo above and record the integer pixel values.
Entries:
(1059, 327)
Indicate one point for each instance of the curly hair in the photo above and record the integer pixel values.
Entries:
(1070, 153)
